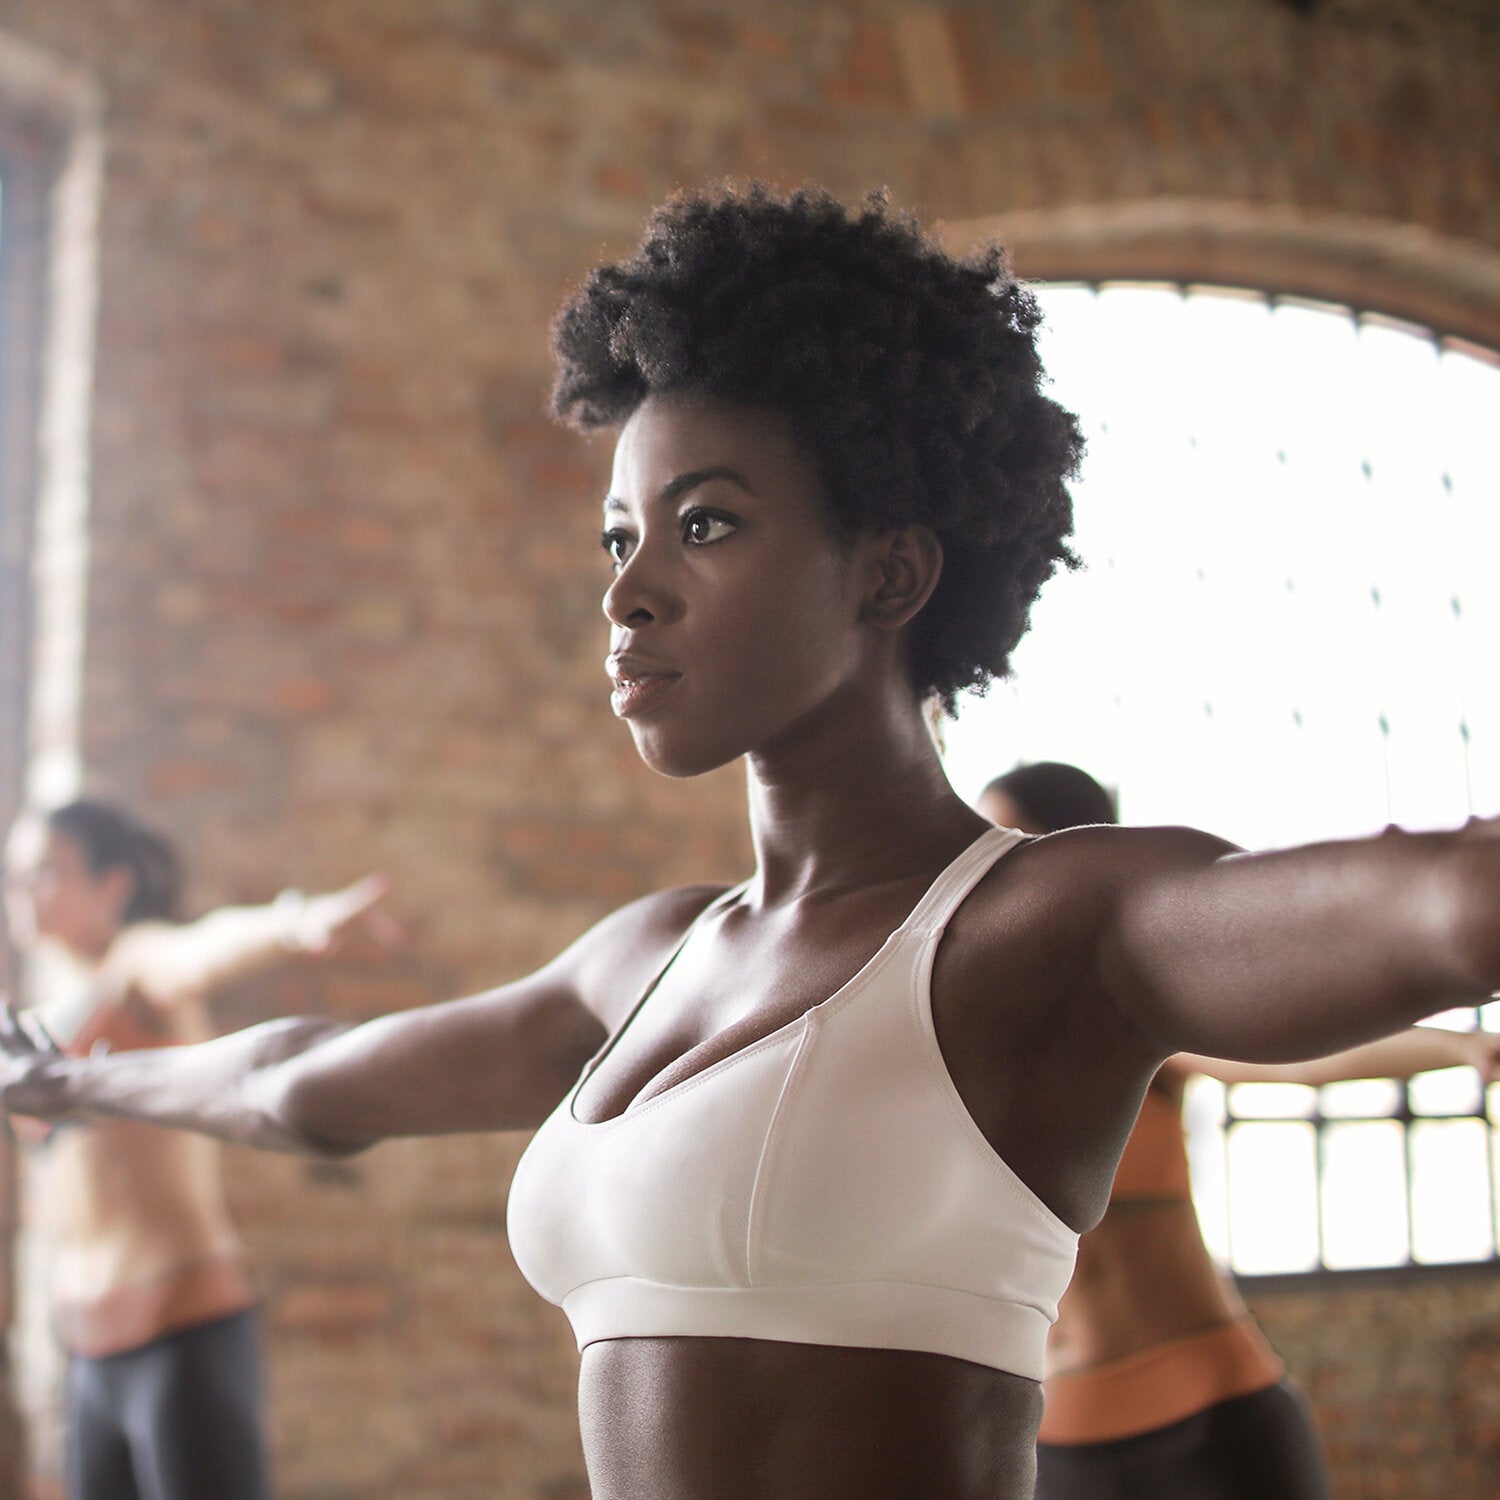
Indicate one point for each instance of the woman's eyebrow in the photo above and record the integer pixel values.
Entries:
(675, 488)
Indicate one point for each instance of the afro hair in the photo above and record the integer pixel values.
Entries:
(910, 377)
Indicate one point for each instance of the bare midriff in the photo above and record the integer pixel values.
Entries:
(1149, 1332)
(740, 1419)
(1142, 1278)
(140, 1237)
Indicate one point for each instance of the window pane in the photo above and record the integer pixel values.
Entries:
(1203, 1114)
(1272, 1101)
(1359, 1099)
(1451, 1209)
(1495, 1183)
(1448, 1091)
(1222, 486)
(1273, 1198)
(1364, 1195)
(1461, 1018)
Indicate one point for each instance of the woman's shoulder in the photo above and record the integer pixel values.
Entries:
(663, 916)
(1096, 861)
(1048, 903)
(623, 952)
(137, 955)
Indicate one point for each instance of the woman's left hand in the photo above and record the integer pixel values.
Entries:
(318, 923)
(1482, 1049)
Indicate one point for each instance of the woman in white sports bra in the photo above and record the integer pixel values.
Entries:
(814, 1152)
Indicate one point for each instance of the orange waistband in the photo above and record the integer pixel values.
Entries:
(130, 1316)
(1158, 1386)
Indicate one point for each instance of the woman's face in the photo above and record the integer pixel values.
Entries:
(52, 895)
(735, 611)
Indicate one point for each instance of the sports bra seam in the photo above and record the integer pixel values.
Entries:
(820, 1286)
(782, 1034)
(788, 1031)
(769, 1142)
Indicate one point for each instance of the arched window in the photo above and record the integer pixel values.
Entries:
(1287, 629)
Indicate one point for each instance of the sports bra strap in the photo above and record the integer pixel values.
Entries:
(946, 894)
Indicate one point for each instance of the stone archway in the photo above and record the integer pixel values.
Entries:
(1448, 285)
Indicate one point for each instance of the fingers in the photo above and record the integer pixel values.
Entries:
(383, 927)
(317, 923)
(378, 922)
(1488, 1061)
(37, 1034)
(22, 1032)
(357, 902)
(13, 1037)
(368, 890)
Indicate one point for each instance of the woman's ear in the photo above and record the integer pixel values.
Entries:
(117, 884)
(904, 568)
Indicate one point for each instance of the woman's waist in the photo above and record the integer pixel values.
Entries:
(1157, 1385)
(742, 1418)
(152, 1298)
(88, 1266)
(1141, 1279)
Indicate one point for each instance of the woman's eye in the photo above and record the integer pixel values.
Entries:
(701, 527)
(617, 544)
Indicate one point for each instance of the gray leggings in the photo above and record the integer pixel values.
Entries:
(1256, 1447)
(176, 1419)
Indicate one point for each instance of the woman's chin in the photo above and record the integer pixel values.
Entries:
(672, 757)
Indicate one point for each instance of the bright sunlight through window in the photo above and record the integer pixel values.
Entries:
(1286, 629)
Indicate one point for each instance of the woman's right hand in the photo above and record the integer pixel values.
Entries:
(28, 1077)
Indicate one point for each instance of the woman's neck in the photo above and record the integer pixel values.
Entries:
(860, 800)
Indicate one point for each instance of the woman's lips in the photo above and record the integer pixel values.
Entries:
(639, 685)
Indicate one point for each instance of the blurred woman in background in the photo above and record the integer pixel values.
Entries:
(1159, 1382)
(151, 1297)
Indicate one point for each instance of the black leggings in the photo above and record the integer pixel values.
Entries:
(1256, 1447)
(176, 1419)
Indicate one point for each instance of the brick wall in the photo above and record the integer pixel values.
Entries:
(343, 596)
(1403, 1371)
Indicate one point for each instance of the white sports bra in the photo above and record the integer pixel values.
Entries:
(824, 1185)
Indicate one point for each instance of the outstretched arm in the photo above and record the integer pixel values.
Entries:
(163, 962)
(1302, 952)
(1419, 1049)
(495, 1061)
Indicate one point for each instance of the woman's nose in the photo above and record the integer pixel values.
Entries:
(640, 592)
